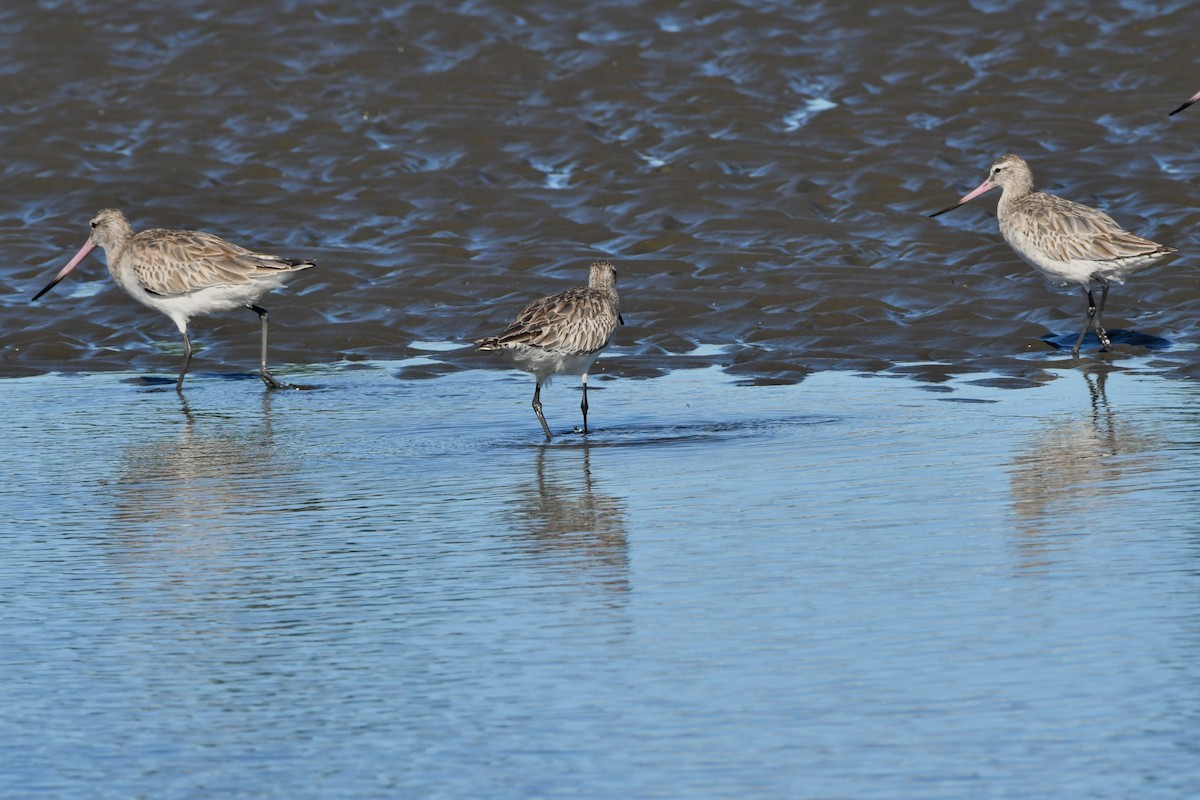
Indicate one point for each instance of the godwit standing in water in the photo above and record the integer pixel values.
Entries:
(563, 334)
(185, 273)
(1067, 242)
(1189, 101)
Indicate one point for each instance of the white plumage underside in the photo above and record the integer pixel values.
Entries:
(182, 307)
(545, 364)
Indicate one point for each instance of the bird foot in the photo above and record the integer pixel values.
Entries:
(272, 383)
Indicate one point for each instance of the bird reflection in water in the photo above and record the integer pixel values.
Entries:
(206, 474)
(1074, 464)
(203, 526)
(569, 525)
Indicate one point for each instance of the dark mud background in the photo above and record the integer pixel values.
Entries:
(759, 171)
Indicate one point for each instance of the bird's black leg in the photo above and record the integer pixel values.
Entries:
(583, 406)
(1087, 323)
(1106, 343)
(267, 377)
(537, 409)
(187, 359)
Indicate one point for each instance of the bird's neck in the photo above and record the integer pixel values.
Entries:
(1013, 193)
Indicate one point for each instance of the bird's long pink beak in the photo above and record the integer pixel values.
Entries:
(72, 264)
(1191, 100)
(978, 190)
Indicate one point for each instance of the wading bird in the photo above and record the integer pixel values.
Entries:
(562, 334)
(183, 274)
(1065, 241)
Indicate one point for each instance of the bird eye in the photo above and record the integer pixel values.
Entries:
(94, 224)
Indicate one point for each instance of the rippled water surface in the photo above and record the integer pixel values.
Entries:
(851, 523)
(759, 171)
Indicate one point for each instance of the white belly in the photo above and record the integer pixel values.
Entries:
(182, 307)
(546, 363)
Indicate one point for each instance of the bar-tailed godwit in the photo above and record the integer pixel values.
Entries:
(185, 273)
(562, 334)
(1065, 241)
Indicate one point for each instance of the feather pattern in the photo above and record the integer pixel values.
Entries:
(1068, 241)
(576, 322)
(176, 262)
(170, 263)
(1072, 242)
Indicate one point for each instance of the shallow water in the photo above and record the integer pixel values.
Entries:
(852, 587)
(850, 523)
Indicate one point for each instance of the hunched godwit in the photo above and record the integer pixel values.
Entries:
(562, 334)
(185, 273)
(1066, 241)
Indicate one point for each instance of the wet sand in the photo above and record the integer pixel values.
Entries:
(760, 173)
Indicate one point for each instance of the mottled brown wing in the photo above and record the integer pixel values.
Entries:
(1067, 231)
(577, 321)
(176, 262)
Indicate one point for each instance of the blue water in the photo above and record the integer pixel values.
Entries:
(851, 587)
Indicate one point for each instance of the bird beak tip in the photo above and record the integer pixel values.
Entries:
(45, 289)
